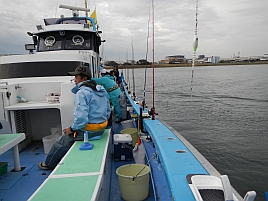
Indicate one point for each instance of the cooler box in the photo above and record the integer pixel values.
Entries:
(122, 147)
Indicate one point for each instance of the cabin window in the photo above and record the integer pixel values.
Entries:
(77, 41)
(49, 42)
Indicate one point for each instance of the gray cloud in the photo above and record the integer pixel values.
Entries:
(224, 27)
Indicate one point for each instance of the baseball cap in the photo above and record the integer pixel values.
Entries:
(81, 70)
(103, 71)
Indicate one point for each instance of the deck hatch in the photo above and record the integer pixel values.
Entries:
(180, 151)
(170, 138)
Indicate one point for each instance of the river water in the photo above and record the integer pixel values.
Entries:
(225, 117)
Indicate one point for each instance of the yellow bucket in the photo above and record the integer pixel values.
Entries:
(134, 134)
(133, 181)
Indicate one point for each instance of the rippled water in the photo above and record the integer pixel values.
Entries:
(226, 119)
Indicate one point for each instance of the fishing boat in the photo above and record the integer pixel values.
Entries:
(143, 158)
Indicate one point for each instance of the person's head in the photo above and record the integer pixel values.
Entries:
(81, 73)
(112, 73)
(103, 72)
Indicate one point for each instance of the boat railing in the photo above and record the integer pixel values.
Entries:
(88, 21)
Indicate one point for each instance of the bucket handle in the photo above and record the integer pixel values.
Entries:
(154, 156)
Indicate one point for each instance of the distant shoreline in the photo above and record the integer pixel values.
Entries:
(186, 65)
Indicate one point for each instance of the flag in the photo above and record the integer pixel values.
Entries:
(94, 16)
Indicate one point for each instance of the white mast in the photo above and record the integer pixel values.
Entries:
(86, 8)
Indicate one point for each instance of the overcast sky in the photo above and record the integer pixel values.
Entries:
(225, 27)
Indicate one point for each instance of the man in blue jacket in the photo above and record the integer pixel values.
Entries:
(113, 90)
(91, 113)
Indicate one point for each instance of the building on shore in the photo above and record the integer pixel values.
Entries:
(214, 59)
(174, 59)
(203, 59)
(245, 59)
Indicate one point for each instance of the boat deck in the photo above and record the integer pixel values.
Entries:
(21, 185)
(171, 158)
(26, 182)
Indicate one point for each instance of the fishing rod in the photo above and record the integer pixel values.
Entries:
(153, 109)
(195, 45)
(133, 78)
(146, 57)
(128, 80)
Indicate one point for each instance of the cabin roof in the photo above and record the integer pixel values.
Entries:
(51, 21)
(65, 27)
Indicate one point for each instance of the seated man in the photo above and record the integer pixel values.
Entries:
(91, 113)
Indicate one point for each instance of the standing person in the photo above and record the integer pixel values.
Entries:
(112, 74)
(116, 74)
(91, 113)
(113, 90)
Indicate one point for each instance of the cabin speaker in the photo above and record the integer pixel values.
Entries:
(62, 33)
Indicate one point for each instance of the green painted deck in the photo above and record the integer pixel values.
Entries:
(79, 174)
(8, 138)
(8, 141)
(77, 162)
(68, 188)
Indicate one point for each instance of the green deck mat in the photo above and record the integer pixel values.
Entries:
(86, 161)
(7, 138)
(68, 188)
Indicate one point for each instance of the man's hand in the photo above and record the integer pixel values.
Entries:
(67, 131)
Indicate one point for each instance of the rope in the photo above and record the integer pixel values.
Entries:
(195, 45)
(154, 156)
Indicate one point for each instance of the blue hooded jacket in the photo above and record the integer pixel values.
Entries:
(107, 82)
(90, 106)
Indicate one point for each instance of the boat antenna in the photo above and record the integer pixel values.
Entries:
(74, 9)
(195, 45)
(146, 57)
(153, 109)
(86, 13)
(102, 50)
(56, 9)
(132, 62)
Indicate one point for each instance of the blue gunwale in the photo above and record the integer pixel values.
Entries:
(176, 165)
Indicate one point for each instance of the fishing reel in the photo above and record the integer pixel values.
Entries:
(152, 112)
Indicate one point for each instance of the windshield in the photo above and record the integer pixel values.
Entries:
(61, 40)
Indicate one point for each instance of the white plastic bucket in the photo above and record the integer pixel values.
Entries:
(127, 124)
(130, 108)
(123, 106)
(56, 130)
(133, 181)
(48, 141)
(124, 113)
(122, 101)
